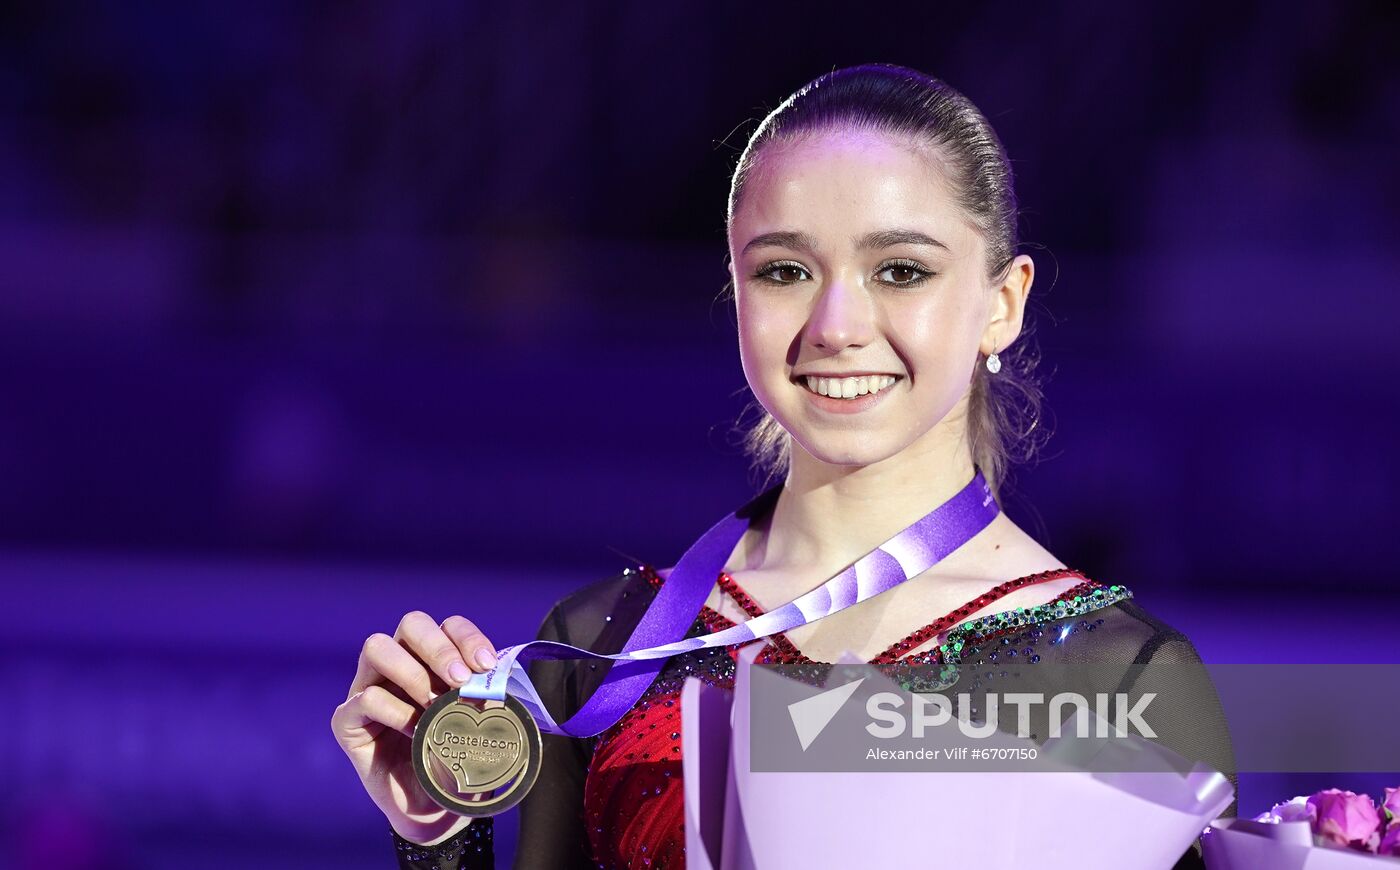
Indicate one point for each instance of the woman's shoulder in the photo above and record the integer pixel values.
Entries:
(1128, 628)
(602, 593)
(1136, 635)
(1155, 639)
(592, 615)
(1087, 619)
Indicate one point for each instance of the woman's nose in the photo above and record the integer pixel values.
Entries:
(841, 317)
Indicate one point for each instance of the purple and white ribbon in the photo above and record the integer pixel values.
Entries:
(909, 553)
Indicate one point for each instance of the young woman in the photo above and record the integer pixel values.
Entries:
(880, 295)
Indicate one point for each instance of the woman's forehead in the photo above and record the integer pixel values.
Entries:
(845, 180)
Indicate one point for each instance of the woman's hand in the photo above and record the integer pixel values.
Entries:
(397, 677)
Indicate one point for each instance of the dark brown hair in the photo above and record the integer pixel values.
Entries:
(1004, 409)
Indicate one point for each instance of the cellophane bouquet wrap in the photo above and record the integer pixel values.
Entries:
(1328, 830)
(738, 819)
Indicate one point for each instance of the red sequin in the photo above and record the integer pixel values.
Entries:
(633, 802)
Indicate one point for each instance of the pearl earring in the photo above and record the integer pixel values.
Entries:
(993, 363)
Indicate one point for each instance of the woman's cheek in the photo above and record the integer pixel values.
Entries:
(924, 317)
(755, 352)
(936, 327)
(763, 335)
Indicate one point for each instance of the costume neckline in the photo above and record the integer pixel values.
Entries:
(904, 649)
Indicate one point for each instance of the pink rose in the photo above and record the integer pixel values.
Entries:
(1345, 818)
(1390, 843)
(1392, 804)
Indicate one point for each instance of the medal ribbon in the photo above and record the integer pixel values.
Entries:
(909, 553)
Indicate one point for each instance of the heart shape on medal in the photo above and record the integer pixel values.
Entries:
(483, 749)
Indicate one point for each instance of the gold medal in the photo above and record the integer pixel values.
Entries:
(474, 757)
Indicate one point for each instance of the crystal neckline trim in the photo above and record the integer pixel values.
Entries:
(983, 627)
(963, 640)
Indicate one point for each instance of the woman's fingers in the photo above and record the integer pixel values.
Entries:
(419, 649)
(476, 650)
(384, 658)
(427, 640)
(376, 704)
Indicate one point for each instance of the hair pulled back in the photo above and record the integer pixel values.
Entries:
(1004, 409)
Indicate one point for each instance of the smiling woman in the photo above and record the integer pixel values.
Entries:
(925, 182)
(873, 252)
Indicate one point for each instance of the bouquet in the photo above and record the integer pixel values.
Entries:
(1329, 829)
(736, 819)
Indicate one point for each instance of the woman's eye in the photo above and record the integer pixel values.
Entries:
(782, 273)
(902, 274)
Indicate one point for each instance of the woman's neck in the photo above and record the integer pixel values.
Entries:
(828, 516)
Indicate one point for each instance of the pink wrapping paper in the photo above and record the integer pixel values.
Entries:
(1049, 820)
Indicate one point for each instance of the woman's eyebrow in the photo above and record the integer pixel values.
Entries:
(782, 239)
(800, 241)
(890, 238)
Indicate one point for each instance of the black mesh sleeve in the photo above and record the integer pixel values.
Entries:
(599, 617)
(551, 816)
(1194, 724)
(470, 849)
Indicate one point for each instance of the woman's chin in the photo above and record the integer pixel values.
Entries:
(844, 452)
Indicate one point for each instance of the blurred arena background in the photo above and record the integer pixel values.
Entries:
(312, 314)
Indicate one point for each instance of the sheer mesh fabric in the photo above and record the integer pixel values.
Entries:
(1130, 650)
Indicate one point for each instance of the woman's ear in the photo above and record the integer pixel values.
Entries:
(1008, 306)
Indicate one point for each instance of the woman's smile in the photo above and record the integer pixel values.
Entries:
(847, 395)
(847, 386)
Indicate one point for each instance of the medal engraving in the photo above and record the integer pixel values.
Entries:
(476, 758)
(483, 750)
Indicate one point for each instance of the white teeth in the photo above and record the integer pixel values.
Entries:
(849, 388)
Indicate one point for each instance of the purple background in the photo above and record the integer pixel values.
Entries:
(311, 315)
